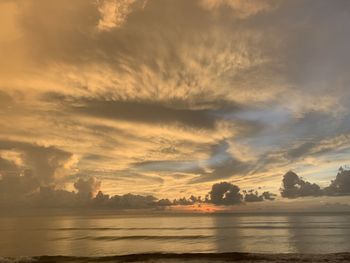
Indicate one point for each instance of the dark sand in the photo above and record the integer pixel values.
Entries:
(195, 257)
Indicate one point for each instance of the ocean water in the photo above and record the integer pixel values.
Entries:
(113, 235)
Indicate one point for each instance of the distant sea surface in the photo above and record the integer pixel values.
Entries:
(161, 235)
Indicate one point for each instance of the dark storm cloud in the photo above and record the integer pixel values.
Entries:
(43, 161)
(225, 193)
(15, 181)
(340, 185)
(147, 113)
(24, 190)
(15, 188)
(201, 115)
(127, 201)
(294, 186)
(52, 198)
(49, 197)
(269, 196)
(39, 167)
(183, 201)
(254, 196)
(65, 199)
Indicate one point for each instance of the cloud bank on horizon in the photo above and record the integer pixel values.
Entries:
(23, 191)
(167, 98)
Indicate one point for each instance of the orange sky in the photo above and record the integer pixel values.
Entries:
(168, 97)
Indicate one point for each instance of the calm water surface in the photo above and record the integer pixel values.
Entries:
(116, 235)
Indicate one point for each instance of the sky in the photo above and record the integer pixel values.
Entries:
(170, 97)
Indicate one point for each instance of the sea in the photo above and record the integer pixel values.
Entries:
(175, 238)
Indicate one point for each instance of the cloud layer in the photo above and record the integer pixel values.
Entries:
(167, 98)
(24, 190)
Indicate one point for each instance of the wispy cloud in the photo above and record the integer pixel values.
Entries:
(242, 8)
(168, 93)
(113, 13)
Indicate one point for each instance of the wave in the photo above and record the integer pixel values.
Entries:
(189, 257)
(146, 237)
(191, 228)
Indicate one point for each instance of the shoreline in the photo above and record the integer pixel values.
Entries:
(190, 257)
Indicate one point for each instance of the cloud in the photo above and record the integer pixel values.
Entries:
(225, 193)
(340, 185)
(113, 13)
(49, 197)
(242, 8)
(48, 164)
(294, 186)
(8, 166)
(24, 190)
(254, 196)
(187, 201)
(128, 201)
(164, 88)
(87, 186)
(16, 182)
(173, 166)
(147, 112)
(221, 164)
(301, 150)
(269, 196)
(15, 188)
(5, 99)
